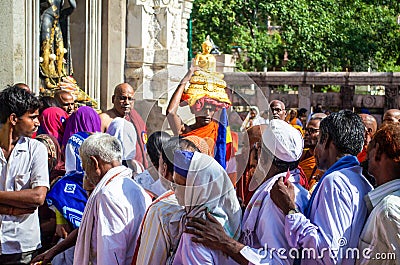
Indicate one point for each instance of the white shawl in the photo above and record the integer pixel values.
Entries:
(126, 134)
(208, 186)
(82, 249)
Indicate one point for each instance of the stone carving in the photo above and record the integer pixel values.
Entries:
(154, 30)
(175, 31)
(391, 95)
(369, 101)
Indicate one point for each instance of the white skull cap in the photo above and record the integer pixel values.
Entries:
(283, 140)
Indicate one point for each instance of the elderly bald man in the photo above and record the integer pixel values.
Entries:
(390, 116)
(115, 209)
(278, 109)
(65, 100)
(123, 102)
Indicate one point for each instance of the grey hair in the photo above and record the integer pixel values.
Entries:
(102, 145)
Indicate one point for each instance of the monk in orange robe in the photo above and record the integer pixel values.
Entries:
(204, 100)
(307, 160)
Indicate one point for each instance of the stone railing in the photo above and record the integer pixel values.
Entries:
(305, 97)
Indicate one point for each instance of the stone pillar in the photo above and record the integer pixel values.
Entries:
(86, 27)
(32, 30)
(93, 49)
(19, 43)
(113, 45)
(77, 25)
(347, 95)
(142, 33)
(305, 97)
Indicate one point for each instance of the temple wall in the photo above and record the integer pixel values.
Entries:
(19, 25)
(142, 42)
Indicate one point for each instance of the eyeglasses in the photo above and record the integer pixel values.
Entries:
(124, 98)
(311, 130)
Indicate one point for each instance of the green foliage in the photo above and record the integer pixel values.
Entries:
(240, 24)
(324, 35)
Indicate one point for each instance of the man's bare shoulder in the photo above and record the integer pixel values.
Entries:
(110, 114)
(106, 118)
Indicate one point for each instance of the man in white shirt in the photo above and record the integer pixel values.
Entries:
(115, 209)
(24, 178)
(380, 239)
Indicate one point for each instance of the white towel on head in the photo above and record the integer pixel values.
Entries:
(283, 140)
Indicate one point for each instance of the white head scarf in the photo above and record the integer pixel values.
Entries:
(256, 119)
(208, 187)
(126, 134)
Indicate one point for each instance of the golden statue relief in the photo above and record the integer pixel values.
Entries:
(55, 50)
(206, 81)
(55, 58)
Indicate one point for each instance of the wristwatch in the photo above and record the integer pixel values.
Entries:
(293, 211)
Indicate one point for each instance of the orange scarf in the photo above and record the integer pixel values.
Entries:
(308, 166)
(208, 133)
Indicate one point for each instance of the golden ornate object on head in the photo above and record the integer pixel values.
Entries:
(206, 82)
(205, 60)
(69, 84)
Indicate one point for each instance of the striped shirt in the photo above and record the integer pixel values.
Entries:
(161, 231)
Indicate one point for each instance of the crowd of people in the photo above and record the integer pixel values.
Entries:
(78, 187)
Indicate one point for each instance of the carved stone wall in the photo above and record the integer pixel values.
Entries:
(156, 52)
(392, 97)
(345, 99)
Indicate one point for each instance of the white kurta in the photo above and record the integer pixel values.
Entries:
(111, 221)
(338, 214)
(264, 223)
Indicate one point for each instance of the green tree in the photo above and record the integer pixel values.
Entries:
(240, 24)
(334, 35)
